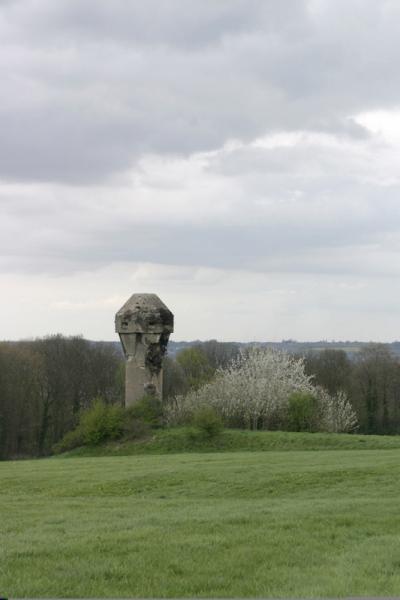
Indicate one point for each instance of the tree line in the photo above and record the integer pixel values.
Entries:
(371, 380)
(45, 384)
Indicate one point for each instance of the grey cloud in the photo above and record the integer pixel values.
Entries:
(309, 236)
(317, 205)
(181, 23)
(90, 87)
(104, 109)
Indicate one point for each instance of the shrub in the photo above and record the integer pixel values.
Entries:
(72, 439)
(208, 421)
(195, 365)
(105, 422)
(303, 412)
(135, 428)
(149, 410)
(338, 415)
(100, 423)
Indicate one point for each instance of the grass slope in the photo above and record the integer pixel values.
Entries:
(185, 439)
(254, 524)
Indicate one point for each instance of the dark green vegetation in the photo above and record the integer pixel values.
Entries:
(302, 412)
(103, 422)
(46, 384)
(255, 524)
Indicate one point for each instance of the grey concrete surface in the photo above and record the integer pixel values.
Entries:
(144, 325)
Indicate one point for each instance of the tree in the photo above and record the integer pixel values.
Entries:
(331, 369)
(20, 372)
(220, 354)
(44, 386)
(174, 379)
(196, 366)
(376, 390)
(254, 392)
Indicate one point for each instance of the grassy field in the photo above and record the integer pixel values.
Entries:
(185, 439)
(277, 524)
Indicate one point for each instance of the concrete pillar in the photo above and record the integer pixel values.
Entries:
(144, 325)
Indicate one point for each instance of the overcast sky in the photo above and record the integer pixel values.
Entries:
(240, 158)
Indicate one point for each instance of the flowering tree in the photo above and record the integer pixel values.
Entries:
(254, 391)
(337, 414)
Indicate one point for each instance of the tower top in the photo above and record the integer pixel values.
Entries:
(144, 313)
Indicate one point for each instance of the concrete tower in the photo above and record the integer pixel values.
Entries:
(144, 325)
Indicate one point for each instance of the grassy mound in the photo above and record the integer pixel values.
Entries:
(243, 524)
(185, 439)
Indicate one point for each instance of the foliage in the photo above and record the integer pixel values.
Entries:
(251, 390)
(134, 429)
(376, 389)
(195, 366)
(208, 421)
(100, 423)
(72, 439)
(254, 392)
(45, 384)
(303, 412)
(331, 369)
(220, 354)
(107, 422)
(174, 378)
(337, 414)
(371, 381)
(148, 409)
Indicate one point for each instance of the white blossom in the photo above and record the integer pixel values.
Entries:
(254, 392)
(337, 413)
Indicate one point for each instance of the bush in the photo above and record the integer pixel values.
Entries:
(196, 366)
(302, 412)
(148, 410)
(100, 423)
(338, 415)
(135, 429)
(72, 439)
(208, 421)
(106, 422)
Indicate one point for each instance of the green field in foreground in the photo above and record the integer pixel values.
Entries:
(277, 524)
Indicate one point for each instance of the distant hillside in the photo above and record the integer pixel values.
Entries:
(350, 347)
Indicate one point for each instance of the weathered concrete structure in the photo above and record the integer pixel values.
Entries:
(144, 325)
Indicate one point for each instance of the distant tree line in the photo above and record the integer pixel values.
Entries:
(46, 384)
(371, 380)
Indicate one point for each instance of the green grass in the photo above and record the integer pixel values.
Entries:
(184, 439)
(254, 524)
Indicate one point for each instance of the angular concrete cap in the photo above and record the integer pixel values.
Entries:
(144, 313)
